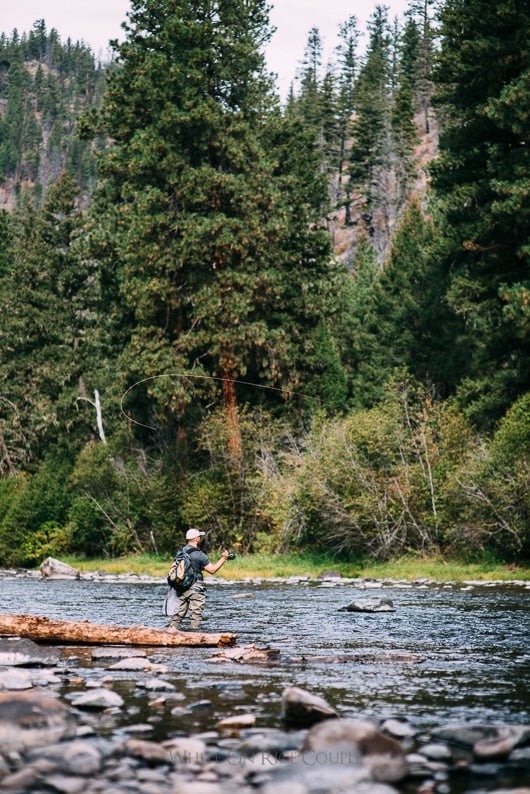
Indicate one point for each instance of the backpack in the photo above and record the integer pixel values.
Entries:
(182, 574)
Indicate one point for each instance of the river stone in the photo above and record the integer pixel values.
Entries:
(464, 735)
(436, 751)
(65, 784)
(509, 737)
(15, 679)
(31, 719)
(152, 752)
(29, 777)
(298, 777)
(55, 569)
(380, 605)
(357, 742)
(272, 741)
(116, 652)
(77, 757)
(399, 729)
(156, 685)
(184, 750)
(302, 709)
(131, 664)
(237, 722)
(247, 653)
(97, 698)
(20, 651)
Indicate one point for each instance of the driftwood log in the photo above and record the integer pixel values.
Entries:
(41, 629)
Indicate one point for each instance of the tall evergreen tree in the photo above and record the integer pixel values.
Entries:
(209, 217)
(309, 103)
(418, 53)
(46, 322)
(481, 177)
(348, 66)
(370, 153)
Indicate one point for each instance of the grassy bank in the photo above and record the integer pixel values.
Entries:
(310, 564)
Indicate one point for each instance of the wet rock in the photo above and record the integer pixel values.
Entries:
(272, 741)
(242, 595)
(399, 729)
(197, 787)
(116, 652)
(77, 757)
(301, 778)
(521, 757)
(247, 653)
(134, 663)
(199, 705)
(15, 679)
(301, 709)
(19, 651)
(65, 784)
(29, 776)
(502, 745)
(371, 606)
(185, 750)
(357, 742)
(152, 752)
(55, 569)
(237, 722)
(97, 698)
(31, 719)
(464, 735)
(436, 752)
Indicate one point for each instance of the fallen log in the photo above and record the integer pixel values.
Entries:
(41, 629)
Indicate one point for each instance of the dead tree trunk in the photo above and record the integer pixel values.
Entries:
(41, 629)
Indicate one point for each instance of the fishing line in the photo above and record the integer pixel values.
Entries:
(202, 377)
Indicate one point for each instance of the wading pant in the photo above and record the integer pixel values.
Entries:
(192, 602)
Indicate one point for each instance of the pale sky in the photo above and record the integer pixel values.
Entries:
(98, 21)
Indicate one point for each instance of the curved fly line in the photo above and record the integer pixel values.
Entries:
(200, 377)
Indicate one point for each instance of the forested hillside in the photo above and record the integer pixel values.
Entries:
(292, 324)
(44, 86)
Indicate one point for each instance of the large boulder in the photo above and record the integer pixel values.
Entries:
(357, 742)
(55, 569)
(31, 719)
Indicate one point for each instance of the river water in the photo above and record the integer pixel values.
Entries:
(449, 653)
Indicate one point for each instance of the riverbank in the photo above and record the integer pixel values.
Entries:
(270, 566)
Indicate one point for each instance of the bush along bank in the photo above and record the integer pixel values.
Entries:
(61, 729)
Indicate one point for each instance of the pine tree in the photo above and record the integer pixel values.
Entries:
(418, 54)
(370, 153)
(47, 317)
(481, 179)
(209, 218)
(347, 74)
(309, 104)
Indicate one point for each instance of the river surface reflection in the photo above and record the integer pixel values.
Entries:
(469, 645)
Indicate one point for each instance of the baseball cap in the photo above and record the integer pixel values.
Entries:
(191, 534)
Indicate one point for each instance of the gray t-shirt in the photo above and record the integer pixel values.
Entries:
(199, 561)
